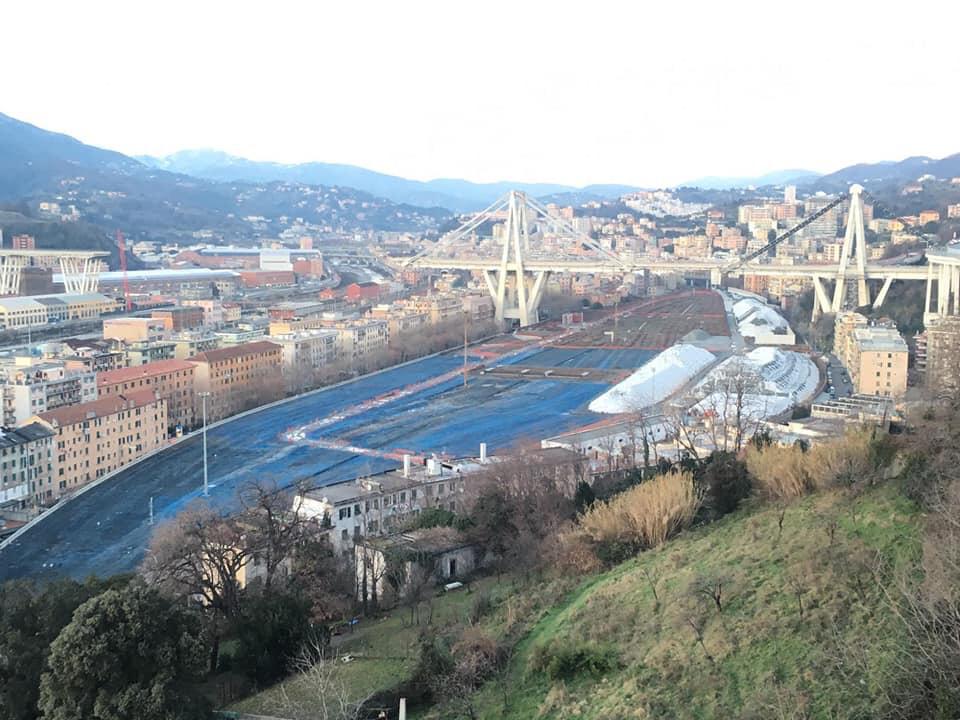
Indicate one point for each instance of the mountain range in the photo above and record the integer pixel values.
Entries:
(112, 190)
(199, 190)
(451, 193)
(887, 172)
(778, 177)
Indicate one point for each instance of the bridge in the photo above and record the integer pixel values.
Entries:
(80, 268)
(529, 243)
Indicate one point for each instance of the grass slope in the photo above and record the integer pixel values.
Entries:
(764, 660)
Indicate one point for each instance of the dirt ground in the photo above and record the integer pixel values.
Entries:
(657, 323)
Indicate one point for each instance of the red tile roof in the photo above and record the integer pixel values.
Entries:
(72, 414)
(237, 351)
(159, 367)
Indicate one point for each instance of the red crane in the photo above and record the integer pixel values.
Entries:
(122, 246)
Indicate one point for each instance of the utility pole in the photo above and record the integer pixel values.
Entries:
(206, 485)
(616, 319)
(466, 316)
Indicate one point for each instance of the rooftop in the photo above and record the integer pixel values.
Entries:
(152, 369)
(72, 414)
(431, 541)
(236, 351)
(137, 276)
(10, 437)
(31, 302)
(879, 339)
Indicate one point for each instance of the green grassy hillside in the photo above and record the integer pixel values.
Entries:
(759, 657)
(624, 643)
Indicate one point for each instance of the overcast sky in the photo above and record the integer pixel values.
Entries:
(647, 93)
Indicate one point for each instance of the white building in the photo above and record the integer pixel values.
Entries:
(380, 504)
(307, 351)
(32, 386)
(37, 310)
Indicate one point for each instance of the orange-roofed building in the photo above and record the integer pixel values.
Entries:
(238, 378)
(95, 438)
(171, 379)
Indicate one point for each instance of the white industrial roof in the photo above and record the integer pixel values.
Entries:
(147, 275)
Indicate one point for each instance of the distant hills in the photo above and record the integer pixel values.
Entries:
(112, 190)
(451, 193)
(887, 172)
(778, 177)
(228, 198)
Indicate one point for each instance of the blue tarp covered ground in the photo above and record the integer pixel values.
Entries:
(106, 530)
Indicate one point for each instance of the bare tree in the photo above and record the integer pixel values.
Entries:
(418, 586)
(276, 527)
(712, 589)
(319, 691)
(696, 623)
(200, 555)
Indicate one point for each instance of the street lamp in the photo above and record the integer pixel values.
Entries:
(206, 486)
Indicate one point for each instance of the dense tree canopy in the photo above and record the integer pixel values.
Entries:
(127, 654)
(30, 619)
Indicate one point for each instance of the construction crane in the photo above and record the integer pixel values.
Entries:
(122, 247)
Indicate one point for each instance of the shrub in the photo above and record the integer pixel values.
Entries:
(433, 517)
(568, 659)
(725, 481)
(643, 516)
(786, 472)
(571, 552)
(482, 606)
(778, 472)
(584, 497)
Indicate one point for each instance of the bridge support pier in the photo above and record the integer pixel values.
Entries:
(11, 267)
(882, 295)
(855, 248)
(821, 301)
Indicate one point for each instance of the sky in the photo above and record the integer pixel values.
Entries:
(645, 93)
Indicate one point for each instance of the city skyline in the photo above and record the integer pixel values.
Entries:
(649, 98)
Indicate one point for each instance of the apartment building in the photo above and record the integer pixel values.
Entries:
(239, 377)
(192, 342)
(95, 438)
(361, 340)
(130, 329)
(26, 466)
(843, 326)
(381, 503)
(400, 319)
(172, 380)
(212, 309)
(439, 308)
(305, 353)
(32, 386)
(942, 341)
(141, 353)
(692, 246)
(89, 355)
(177, 319)
(878, 361)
